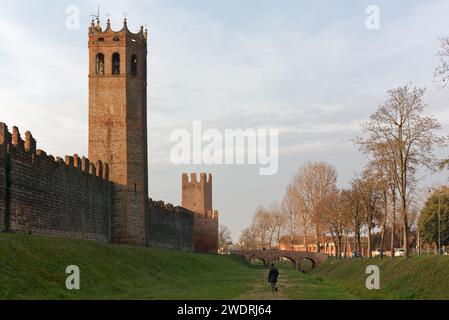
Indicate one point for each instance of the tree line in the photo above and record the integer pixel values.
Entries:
(399, 139)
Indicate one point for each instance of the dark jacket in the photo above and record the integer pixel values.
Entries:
(273, 275)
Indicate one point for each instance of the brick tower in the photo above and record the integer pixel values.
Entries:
(118, 123)
(197, 197)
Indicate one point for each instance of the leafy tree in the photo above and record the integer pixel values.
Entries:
(428, 222)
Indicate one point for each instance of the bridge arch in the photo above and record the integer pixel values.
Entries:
(252, 258)
(276, 258)
(270, 256)
(300, 268)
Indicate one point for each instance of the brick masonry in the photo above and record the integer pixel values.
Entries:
(4, 164)
(171, 227)
(44, 195)
(197, 197)
(118, 124)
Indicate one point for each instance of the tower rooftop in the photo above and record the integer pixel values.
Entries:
(96, 30)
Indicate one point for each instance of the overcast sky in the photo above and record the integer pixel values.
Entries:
(310, 69)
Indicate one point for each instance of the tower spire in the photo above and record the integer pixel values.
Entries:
(108, 22)
(125, 20)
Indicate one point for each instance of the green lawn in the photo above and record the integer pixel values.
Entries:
(33, 267)
(419, 277)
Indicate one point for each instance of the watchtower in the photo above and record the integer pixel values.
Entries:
(197, 194)
(197, 197)
(118, 123)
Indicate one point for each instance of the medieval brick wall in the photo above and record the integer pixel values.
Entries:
(73, 198)
(206, 233)
(170, 227)
(44, 195)
(3, 187)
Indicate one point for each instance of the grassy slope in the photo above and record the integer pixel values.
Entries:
(425, 277)
(34, 268)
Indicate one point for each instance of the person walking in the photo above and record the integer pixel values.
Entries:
(273, 277)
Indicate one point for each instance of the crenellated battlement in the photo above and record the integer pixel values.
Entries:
(170, 227)
(162, 205)
(210, 215)
(43, 194)
(167, 207)
(25, 151)
(194, 178)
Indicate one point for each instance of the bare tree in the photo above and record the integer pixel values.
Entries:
(273, 220)
(442, 70)
(297, 210)
(408, 137)
(346, 206)
(336, 217)
(369, 197)
(383, 173)
(312, 184)
(442, 73)
(354, 198)
(261, 223)
(248, 238)
(271, 223)
(370, 194)
(278, 220)
(291, 212)
(224, 238)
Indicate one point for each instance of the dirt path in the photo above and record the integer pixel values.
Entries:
(262, 291)
(295, 286)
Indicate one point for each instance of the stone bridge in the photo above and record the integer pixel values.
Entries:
(296, 257)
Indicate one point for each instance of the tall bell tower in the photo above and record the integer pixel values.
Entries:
(118, 123)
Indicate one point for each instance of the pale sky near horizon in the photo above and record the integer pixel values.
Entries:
(311, 70)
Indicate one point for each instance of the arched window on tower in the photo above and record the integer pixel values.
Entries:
(116, 64)
(134, 65)
(100, 64)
